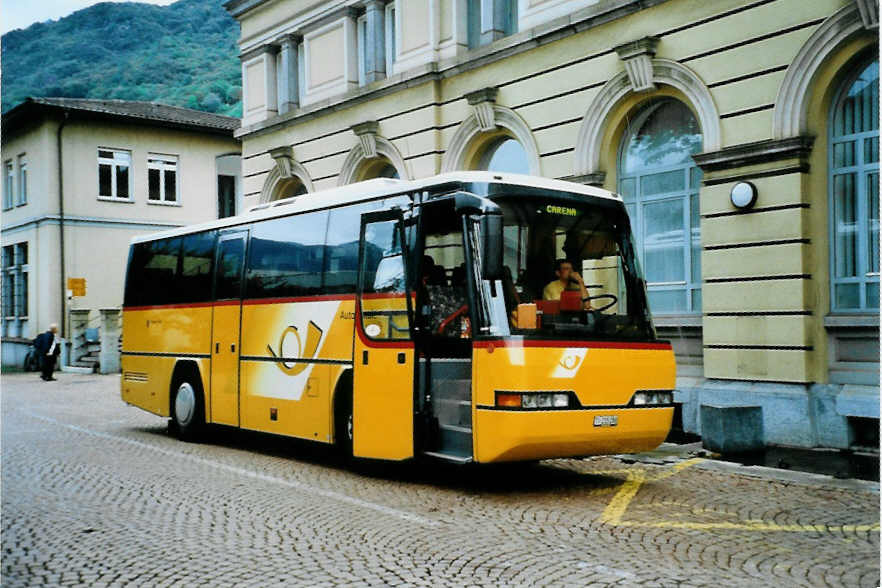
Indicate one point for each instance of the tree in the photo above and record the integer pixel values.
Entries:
(183, 54)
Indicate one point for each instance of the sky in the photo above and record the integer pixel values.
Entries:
(19, 14)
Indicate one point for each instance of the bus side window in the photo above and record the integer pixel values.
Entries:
(197, 259)
(286, 256)
(341, 259)
(228, 280)
(152, 273)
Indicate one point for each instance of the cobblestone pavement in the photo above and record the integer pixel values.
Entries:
(97, 493)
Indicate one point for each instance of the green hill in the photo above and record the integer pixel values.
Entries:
(183, 54)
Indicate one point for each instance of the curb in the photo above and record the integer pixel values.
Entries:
(790, 476)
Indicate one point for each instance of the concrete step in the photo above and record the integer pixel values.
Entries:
(459, 389)
(452, 457)
(456, 440)
(454, 412)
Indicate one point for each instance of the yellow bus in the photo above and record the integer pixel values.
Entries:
(471, 317)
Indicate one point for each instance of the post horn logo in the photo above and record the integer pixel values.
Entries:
(569, 362)
(291, 337)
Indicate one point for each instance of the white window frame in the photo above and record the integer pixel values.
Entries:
(15, 275)
(163, 163)
(389, 37)
(9, 184)
(7, 296)
(20, 293)
(114, 163)
(687, 195)
(22, 180)
(361, 45)
(862, 169)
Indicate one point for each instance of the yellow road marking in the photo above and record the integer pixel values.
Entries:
(612, 514)
(615, 510)
(757, 526)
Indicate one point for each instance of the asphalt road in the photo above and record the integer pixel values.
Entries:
(97, 493)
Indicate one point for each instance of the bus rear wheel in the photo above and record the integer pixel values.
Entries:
(187, 408)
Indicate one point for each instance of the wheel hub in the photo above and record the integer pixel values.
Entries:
(185, 404)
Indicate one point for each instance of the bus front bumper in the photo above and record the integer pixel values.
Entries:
(518, 435)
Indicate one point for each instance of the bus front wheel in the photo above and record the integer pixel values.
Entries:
(187, 408)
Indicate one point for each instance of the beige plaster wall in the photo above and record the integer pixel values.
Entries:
(740, 52)
(97, 233)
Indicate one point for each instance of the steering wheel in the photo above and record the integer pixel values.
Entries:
(615, 300)
(451, 317)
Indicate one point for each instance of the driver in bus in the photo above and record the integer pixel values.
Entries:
(567, 279)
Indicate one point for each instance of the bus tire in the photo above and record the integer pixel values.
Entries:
(343, 422)
(187, 406)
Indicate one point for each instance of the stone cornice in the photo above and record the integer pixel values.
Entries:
(483, 95)
(237, 8)
(258, 51)
(755, 153)
(334, 15)
(292, 38)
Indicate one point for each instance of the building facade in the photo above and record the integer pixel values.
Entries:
(685, 107)
(81, 178)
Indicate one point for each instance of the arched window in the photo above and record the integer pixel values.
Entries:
(854, 193)
(659, 183)
(289, 188)
(387, 171)
(505, 155)
(377, 168)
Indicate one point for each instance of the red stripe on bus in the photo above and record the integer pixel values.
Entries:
(164, 306)
(318, 298)
(246, 301)
(384, 295)
(589, 344)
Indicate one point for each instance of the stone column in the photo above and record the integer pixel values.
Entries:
(79, 320)
(110, 331)
(289, 87)
(375, 41)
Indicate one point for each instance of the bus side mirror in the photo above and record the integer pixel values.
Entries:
(491, 246)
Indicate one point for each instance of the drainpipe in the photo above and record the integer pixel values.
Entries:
(61, 320)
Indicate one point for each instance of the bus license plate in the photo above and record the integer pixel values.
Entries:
(606, 420)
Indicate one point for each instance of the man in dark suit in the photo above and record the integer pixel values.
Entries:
(48, 348)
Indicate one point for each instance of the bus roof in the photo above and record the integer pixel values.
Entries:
(377, 188)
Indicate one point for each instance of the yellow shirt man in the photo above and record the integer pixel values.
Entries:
(565, 277)
(553, 290)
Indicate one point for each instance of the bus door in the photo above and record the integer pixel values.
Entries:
(225, 328)
(382, 392)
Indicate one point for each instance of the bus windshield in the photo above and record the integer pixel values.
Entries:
(570, 272)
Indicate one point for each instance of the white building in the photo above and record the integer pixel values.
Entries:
(80, 179)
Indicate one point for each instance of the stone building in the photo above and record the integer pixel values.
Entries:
(772, 303)
(80, 179)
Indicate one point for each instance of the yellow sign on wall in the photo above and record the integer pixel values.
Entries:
(77, 286)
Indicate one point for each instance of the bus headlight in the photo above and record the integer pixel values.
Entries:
(652, 398)
(534, 400)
